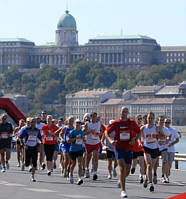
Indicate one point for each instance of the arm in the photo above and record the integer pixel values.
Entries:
(62, 131)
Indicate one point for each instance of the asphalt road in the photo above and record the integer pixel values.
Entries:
(16, 184)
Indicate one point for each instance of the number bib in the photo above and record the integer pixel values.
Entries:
(32, 138)
(94, 136)
(4, 135)
(124, 136)
(49, 138)
(79, 141)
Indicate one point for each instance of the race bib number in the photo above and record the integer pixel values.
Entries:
(150, 139)
(161, 142)
(49, 138)
(4, 135)
(32, 138)
(124, 136)
(79, 141)
(94, 136)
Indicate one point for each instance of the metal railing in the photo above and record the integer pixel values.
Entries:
(179, 157)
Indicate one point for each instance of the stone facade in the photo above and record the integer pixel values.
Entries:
(169, 101)
(137, 50)
(86, 101)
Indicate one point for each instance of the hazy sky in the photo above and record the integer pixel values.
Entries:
(36, 20)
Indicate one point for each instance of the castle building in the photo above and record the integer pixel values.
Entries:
(131, 50)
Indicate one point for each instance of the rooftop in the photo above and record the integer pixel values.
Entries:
(123, 37)
(146, 89)
(154, 101)
(14, 40)
(91, 93)
(114, 101)
(171, 90)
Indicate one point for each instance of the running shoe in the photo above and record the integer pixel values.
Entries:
(95, 177)
(141, 179)
(71, 179)
(65, 174)
(62, 171)
(87, 174)
(18, 165)
(118, 184)
(151, 188)
(155, 180)
(7, 166)
(33, 179)
(79, 182)
(145, 184)
(3, 170)
(54, 165)
(114, 173)
(109, 176)
(30, 168)
(43, 166)
(49, 173)
(133, 170)
(123, 194)
(22, 167)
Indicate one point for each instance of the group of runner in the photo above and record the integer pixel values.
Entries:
(125, 140)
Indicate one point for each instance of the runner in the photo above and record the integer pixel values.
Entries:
(163, 139)
(138, 153)
(31, 134)
(151, 149)
(49, 141)
(39, 126)
(65, 146)
(93, 132)
(43, 117)
(86, 119)
(76, 137)
(110, 154)
(19, 145)
(6, 131)
(174, 139)
(126, 130)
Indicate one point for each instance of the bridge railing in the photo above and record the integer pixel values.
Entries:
(179, 157)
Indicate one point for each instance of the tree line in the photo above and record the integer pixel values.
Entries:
(49, 85)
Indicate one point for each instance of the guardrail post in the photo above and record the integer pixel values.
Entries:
(176, 164)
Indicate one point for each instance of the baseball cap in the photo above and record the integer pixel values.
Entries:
(86, 115)
(28, 119)
(77, 121)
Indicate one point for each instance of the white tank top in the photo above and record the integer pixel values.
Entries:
(149, 141)
(93, 138)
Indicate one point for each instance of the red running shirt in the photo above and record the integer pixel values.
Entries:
(124, 132)
(49, 138)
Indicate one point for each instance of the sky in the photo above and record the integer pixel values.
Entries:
(36, 20)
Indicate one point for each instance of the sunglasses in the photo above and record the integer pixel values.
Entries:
(167, 122)
(140, 118)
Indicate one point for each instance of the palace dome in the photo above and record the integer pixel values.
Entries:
(67, 21)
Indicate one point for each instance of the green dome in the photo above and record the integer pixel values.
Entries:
(67, 21)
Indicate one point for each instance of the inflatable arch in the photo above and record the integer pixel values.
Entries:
(11, 109)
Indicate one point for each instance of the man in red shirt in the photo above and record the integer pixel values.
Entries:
(126, 130)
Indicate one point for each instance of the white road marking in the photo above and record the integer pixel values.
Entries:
(77, 196)
(3, 182)
(40, 190)
(15, 185)
(177, 183)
